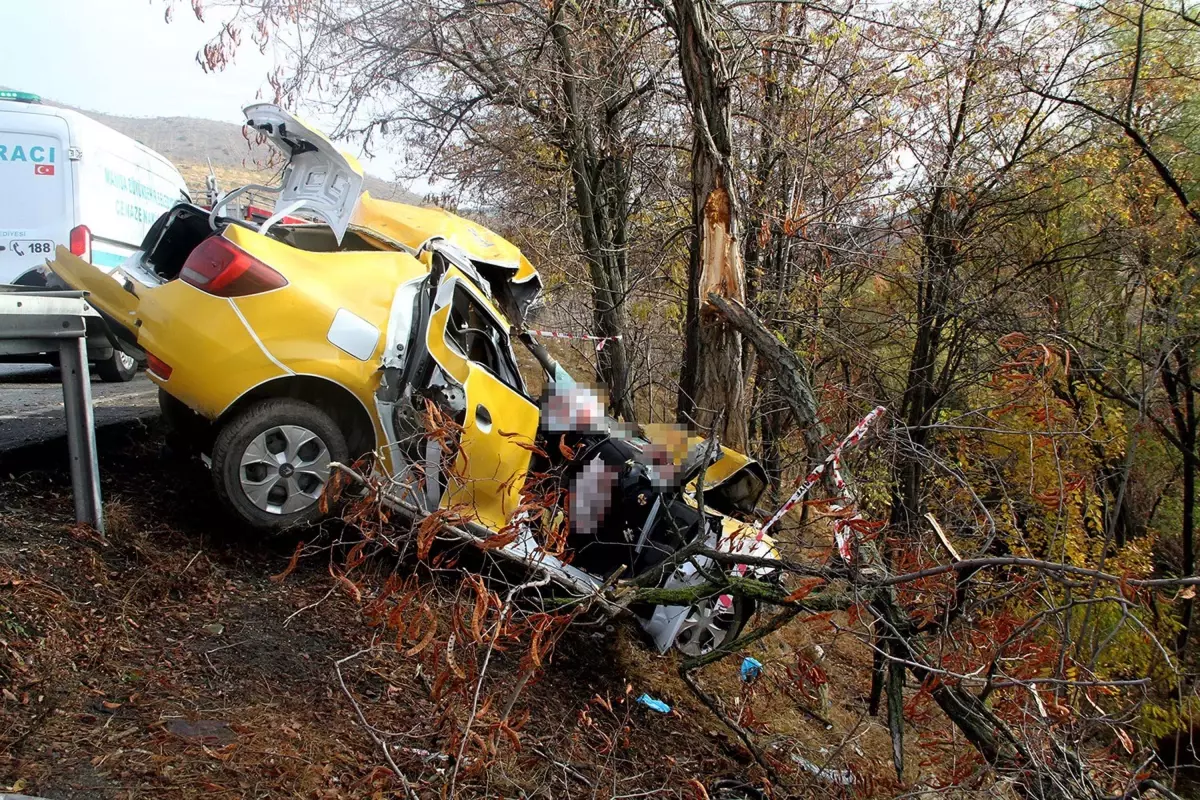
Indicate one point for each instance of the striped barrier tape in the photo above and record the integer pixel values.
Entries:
(841, 527)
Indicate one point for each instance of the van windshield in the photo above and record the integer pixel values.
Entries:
(34, 181)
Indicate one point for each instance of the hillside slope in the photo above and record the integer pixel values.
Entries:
(163, 661)
(194, 144)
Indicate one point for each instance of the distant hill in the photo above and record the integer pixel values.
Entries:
(192, 144)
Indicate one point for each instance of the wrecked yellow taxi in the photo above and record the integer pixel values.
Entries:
(387, 330)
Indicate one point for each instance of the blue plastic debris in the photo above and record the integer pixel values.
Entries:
(654, 705)
(751, 669)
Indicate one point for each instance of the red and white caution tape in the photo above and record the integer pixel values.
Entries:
(599, 340)
(832, 461)
(842, 528)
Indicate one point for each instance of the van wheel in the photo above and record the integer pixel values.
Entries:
(120, 367)
(270, 463)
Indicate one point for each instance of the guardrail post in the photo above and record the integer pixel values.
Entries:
(81, 431)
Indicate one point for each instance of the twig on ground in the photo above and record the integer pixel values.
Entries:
(741, 732)
(308, 607)
(566, 768)
(387, 754)
(189, 563)
(487, 657)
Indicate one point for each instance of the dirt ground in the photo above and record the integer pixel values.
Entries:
(163, 661)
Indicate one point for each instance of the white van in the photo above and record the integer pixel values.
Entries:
(67, 179)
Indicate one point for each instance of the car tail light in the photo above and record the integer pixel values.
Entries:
(81, 242)
(221, 268)
(158, 367)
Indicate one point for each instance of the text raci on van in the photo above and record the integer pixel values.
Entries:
(66, 179)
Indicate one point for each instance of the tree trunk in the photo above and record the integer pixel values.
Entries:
(1178, 382)
(711, 387)
(1189, 553)
(921, 397)
(600, 191)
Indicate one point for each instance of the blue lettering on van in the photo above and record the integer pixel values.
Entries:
(36, 154)
(138, 189)
(134, 212)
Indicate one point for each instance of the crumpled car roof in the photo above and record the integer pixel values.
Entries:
(413, 226)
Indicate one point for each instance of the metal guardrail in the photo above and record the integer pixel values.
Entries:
(39, 320)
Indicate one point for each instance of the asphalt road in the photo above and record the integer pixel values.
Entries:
(31, 403)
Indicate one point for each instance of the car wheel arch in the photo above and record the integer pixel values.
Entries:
(347, 410)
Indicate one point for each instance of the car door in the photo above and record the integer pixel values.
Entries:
(468, 338)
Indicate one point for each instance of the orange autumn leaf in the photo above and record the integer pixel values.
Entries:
(291, 564)
(804, 590)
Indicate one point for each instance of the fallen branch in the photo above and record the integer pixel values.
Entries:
(712, 705)
(387, 754)
(975, 564)
(483, 670)
(729, 648)
(788, 369)
(477, 535)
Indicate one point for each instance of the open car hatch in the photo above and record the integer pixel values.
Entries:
(319, 179)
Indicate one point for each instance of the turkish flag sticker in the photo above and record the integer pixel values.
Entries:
(43, 169)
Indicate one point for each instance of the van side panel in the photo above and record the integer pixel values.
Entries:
(36, 206)
(123, 188)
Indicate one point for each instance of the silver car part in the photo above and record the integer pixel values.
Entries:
(284, 469)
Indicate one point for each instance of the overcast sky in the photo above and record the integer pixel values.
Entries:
(121, 57)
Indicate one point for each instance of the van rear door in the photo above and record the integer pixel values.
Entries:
(36, 205)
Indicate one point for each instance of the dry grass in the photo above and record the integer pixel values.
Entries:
(108, 646)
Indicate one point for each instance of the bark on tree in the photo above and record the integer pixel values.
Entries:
(711, 383)
(601, 190)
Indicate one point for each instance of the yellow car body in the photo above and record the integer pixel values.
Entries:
(223, 350)
(220, 348)
(264, 320)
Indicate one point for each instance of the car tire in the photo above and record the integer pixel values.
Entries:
(270, 463)
(708, 625)
(120, 367)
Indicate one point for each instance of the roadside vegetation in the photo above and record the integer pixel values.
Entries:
(979, 216)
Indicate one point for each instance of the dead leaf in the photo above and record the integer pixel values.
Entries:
(291, 564)
(804, 590)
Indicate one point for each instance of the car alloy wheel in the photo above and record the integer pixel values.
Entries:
(708, 625)
(284, 469)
